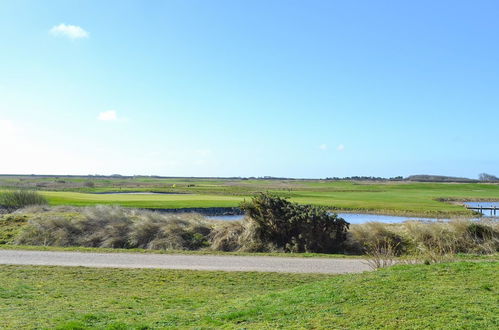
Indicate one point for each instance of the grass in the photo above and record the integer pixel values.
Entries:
(397, 198)
(420, 199)
(454, 295)
(51, 297)
(110, 227)
(142, 200)
(13, 199)
(459, 295)
(10, 227)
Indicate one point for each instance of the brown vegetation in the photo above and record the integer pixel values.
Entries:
(117, 227)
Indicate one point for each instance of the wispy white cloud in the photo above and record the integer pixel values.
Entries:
(323, 146)
(340, 147)
(108, 115)
(69, 31)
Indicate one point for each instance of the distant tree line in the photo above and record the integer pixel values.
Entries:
(488, 177)
(365, 178)
(483, 177)
(438, 178)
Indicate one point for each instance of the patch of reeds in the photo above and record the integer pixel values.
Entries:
(427, 241)
(115, 227)
(16, 199)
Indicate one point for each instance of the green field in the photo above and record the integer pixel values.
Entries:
(456, 295)
(141, 200)
(405, 198)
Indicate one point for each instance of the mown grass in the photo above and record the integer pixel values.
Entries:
(454, 295)
(169, 201)
(417, 199)
(451, 296)
(51, 297)
(399, 198)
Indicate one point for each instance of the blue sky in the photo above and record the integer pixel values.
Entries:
(249, 88)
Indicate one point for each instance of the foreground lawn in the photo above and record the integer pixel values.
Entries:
(47, 297)
(450, 296)
(456, 295)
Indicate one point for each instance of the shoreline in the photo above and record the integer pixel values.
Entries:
(206, 211)
(228, 211)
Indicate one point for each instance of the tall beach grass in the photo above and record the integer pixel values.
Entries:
(17, 199)
(117, 227)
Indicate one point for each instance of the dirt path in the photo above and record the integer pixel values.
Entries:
(179, 261)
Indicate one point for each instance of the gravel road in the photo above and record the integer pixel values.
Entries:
(179, 261)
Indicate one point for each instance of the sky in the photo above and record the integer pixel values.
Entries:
(305, 89)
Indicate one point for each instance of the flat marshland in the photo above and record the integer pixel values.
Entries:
(392, 197)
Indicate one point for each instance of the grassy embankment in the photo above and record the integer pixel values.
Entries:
(455, 295)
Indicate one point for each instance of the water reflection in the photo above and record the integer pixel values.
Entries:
(354, 218)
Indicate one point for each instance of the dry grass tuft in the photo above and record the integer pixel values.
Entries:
(116, 227)
(428, 241)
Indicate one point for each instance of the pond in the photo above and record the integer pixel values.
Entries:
(354, 218)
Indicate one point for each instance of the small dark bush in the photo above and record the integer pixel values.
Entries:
(293, 227)
(89, 184)
(14, 200)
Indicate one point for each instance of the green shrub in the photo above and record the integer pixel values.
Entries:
(21, 198)
(293, 227)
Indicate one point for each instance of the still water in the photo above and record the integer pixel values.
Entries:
(486, 205)
(349, 217)
(357, 218)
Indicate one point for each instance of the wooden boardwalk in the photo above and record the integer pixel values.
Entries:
(492, 209)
